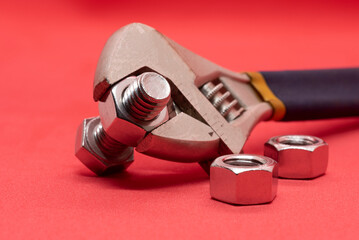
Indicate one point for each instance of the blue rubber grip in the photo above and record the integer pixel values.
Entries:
(316, 94)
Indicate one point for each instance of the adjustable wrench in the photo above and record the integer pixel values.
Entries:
(212, 110)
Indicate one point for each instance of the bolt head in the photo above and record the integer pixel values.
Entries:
(90, 154)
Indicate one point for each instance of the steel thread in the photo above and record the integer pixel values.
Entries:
(108, 145)
(147, 96)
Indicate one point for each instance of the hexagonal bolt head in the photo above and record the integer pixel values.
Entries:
(298, 156)
(135, 105)
(243, 179)
(94, 149)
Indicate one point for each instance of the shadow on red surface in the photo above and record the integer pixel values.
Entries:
(140, 180)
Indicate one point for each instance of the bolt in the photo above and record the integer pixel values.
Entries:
(147, 96)
(98, 151)
(104, 149)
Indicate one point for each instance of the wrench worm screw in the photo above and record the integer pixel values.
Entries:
(222, 99)
(147, 96)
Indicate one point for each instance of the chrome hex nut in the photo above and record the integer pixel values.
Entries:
(243, 179)
(298, 156)
(88, 151)
(119, 124)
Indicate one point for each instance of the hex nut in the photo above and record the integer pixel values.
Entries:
(243, 179)
(298, 156)
(118, 124)
(91, 155)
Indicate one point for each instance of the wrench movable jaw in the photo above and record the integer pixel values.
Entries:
(218, 107)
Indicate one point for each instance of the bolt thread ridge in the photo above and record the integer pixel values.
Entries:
(108, 145)
(147, 96)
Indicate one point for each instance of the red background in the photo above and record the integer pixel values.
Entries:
(48, 55)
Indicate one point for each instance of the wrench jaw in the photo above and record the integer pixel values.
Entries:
(138, 48)
(181, 139)
(198, 129)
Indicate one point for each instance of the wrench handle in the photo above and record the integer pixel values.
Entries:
(314, 94)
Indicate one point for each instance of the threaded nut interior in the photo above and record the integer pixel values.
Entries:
(297, 140)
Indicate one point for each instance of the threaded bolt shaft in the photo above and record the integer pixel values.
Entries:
(147, 96)
(109, 146)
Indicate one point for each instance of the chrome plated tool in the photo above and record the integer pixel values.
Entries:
(165, 101)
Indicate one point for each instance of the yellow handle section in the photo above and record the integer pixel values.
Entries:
(260, 84)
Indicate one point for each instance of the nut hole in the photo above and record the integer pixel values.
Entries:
(242, 162)
(297, 140)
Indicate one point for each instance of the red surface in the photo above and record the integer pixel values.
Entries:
(48, 55)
